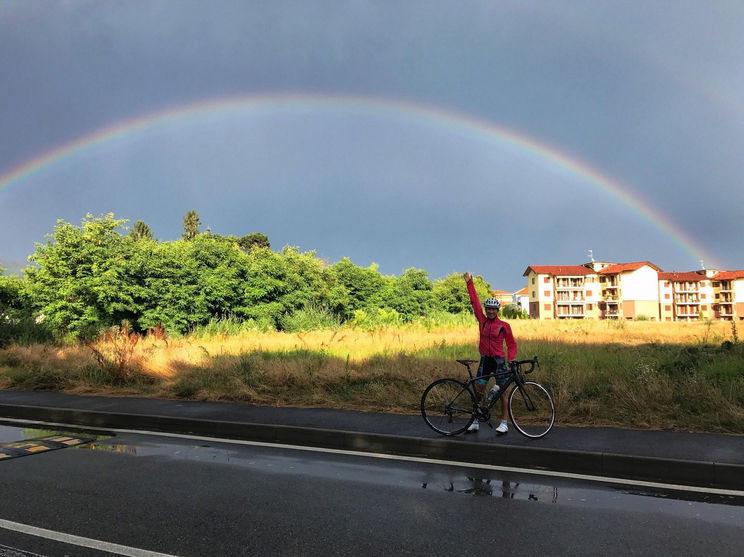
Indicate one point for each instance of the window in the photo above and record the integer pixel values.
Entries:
(533, 280)
(533, 294)
(668, 318)
(588, 293)
(547, 307)
(666, 296)
(546, 293)
(666, 283)
(546, 279)
(704, 308)
(702, 296)
(589, 307)
(667, 308)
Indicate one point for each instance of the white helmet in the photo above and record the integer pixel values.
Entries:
(492, 303)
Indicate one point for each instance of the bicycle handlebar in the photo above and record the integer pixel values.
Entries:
(513, 364)
(533, 364)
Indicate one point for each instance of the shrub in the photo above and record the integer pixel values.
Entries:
(310, 318)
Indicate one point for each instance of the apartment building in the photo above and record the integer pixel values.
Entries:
(728, 295)
(629, 291)
(502, 296)
(521, 298)
(640, 290)
(685, 296)
(562, 291)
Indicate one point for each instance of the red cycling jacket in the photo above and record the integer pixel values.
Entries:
(493, 332)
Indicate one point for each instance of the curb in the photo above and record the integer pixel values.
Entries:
(685, 472)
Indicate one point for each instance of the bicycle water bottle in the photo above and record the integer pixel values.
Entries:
(493, 392)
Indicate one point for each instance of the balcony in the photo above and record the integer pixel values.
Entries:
(575, 311)
(694, 315)
(685, 287)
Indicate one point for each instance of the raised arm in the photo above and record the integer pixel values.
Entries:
(474, 301)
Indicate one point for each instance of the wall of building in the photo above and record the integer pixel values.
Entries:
(707, 298)
(633, 309)
(541, 295)
(641, 284)
(738, 287)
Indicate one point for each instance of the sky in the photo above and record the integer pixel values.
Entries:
(481, 136)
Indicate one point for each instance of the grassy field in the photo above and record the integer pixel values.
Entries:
(684, 376)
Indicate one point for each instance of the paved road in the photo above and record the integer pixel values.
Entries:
(185, 497)
(695, 459)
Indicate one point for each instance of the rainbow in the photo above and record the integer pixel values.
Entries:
(453, 119)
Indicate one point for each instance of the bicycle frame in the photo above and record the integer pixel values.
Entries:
(515, 377)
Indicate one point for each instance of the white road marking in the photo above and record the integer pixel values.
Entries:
(7, 551)
(550, 473)
(79, 540)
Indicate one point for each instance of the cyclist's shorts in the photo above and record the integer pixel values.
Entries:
(492, 364)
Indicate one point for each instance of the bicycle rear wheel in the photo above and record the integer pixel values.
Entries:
(447, 406)
(531, 409)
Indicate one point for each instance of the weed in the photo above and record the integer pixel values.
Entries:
(734, 335)
(114, 350)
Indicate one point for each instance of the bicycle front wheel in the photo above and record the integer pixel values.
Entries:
(531, 409)
(447, 406)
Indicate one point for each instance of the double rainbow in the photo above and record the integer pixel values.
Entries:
(458, 121)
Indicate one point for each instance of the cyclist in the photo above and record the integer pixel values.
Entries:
(494, 333)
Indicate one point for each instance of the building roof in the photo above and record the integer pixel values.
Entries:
(728, 275)
(689, 276)
(522, 292)
(501, 293)
(626, 267)
(559, 270)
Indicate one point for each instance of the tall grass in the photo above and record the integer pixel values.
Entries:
(23, 331)
(647, 375)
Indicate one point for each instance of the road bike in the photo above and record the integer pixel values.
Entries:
(449, 405)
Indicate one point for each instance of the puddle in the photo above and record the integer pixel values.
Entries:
(505, 489)
(449, 481)
(12, 433)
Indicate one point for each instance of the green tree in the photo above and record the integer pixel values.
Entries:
(141, 231)
(254, 239)
(10, 294)
(187, 283)
(513, 311)
(80, 282)
(411, 294)
(450, 293)
(191, 224)
(364, 287)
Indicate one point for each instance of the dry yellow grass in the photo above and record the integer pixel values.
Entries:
(164, 358)
(623, 332)
(593, 377)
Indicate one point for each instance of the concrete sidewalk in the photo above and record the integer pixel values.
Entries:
(700, 459)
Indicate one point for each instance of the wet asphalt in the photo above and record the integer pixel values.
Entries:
(703, 459)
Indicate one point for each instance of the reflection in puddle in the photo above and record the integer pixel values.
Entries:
(504, 488)
(438, 479)
(9, 433)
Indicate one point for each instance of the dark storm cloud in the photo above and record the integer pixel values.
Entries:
(651, 96)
